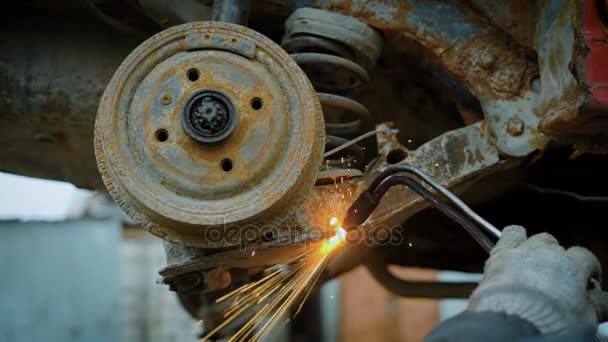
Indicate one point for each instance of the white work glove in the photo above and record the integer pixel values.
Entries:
(541, 282)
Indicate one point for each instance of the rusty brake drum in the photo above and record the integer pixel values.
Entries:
(207, 126)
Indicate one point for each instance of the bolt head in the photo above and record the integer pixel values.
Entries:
(166, 99)
(515, 127)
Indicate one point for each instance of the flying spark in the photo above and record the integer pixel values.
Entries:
(271, 299)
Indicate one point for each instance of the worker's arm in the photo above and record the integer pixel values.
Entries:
(499, 327)
(532, 290)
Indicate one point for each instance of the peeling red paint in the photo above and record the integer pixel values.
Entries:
(596, 40)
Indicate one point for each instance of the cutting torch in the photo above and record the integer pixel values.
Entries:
(440, 198)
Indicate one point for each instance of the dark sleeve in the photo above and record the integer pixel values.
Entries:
(497, 327)
(482, 326)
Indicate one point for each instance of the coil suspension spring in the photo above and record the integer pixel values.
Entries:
(336, 52)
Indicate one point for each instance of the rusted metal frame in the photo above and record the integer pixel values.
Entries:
(498, 71)
(573, 77)
(194, 260)
(516, 17)
(594, 37)
(452, 159)
(561, 92)
(455, 159)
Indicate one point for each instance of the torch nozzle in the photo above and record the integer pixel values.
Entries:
(359, 211)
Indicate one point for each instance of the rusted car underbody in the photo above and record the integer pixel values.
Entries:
(203, 126)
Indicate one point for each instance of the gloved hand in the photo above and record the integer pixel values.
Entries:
(538, 280)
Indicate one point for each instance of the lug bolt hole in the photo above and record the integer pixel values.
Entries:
(162, 135)
(226, 164)
(267, 237)
(193, 74)
(257, 103)
(396, 155)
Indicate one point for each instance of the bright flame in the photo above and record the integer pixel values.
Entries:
(333, 221)
(334, 241)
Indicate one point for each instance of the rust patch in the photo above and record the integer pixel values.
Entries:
(490, 62)
(575, 111)
(381, 14)
(492, 66)
(516, 17)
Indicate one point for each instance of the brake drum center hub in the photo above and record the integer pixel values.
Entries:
(209, 117)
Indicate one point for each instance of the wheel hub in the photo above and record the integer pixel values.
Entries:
(209, 117)
(208, 130)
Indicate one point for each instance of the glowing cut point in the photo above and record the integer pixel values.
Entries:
(333, 221)
(334, 241)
